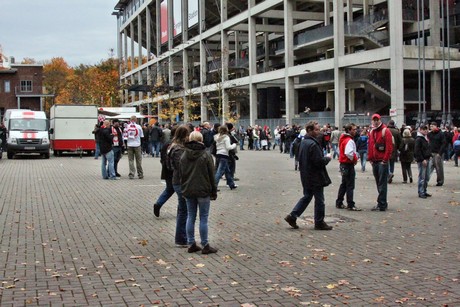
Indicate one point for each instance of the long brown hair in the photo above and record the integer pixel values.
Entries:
(181, 135)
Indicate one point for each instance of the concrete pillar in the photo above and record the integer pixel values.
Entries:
(396, 60)
(225, 51)
(351, 99)
(203, 63)
(339, 73)
(289, 59)
(186, 82)
(237, 48)
(435, 35)
(131, 30)
(349, 11)
(139, 54)
(267, 48)
(327, 12)
(252, 65)
(365, 7)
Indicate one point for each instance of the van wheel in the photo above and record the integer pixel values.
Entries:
(46, 155)
(10, 155)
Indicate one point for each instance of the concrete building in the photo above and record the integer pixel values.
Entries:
(21, 86)
(274, 59)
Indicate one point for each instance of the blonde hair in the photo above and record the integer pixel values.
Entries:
(406, 132)
(195, 136)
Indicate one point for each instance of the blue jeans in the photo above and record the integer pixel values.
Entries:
(97, 152)
(166, 194)
(256, 144)
(117, 152)
(241, 143)
(181, 219)
(335, 149)
(108, 171)
(224, 169)
(423, 177)
(192, 206)
(303, 203)
(363, 159)
(380, 172)
(155, 151)
(391, 166)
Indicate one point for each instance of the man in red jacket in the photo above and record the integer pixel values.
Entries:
(348, 158)
(379, 152)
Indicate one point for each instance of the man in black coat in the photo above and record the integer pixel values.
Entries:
(422, 154)
(314, 177)
(438, 146)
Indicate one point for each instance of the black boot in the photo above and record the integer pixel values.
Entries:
(208, 250)
(322, 226)
(291, 221)
(194, 248)
(156, 210)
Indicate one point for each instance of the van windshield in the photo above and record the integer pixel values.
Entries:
(27, 124)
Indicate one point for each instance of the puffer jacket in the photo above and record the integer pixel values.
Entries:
(406, 153)
(197, 171)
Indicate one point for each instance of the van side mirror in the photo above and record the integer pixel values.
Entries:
(51, 131)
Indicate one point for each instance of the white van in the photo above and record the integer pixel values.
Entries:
(27, 133)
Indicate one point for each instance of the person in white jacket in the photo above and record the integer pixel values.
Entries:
(223, 146)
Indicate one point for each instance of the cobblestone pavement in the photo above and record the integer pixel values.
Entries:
(70, 238)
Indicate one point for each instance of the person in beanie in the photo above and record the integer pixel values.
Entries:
(199, 188)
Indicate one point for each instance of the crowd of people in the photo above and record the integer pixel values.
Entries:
(194, 159)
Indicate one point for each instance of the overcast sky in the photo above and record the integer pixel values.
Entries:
(80, 31)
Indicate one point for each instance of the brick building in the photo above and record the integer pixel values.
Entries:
(21, 86)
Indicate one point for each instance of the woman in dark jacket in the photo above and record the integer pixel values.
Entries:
(174, 153)
(166, 175)
(406, 155)
(198, 187)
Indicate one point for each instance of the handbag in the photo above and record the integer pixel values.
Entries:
(264, 143)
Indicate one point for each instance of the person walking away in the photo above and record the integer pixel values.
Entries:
(348, 158)
(438, 144)
(118, 144)
(314, 177)
(379, 152)
(166, 175)
(277, 134)
(335, 136)
(174, 153)
(106, 142)
(250, 138)
(155, 139)
(199, 188)
(397, 139)
(208, 136)
(296, 146)
(134, 134)
(361, 146)
(406, 155)
(422, 154)
(241, 136)
(223, 147)
(145, 144)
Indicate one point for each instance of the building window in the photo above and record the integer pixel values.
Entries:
(7, 86)
(26, 86)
